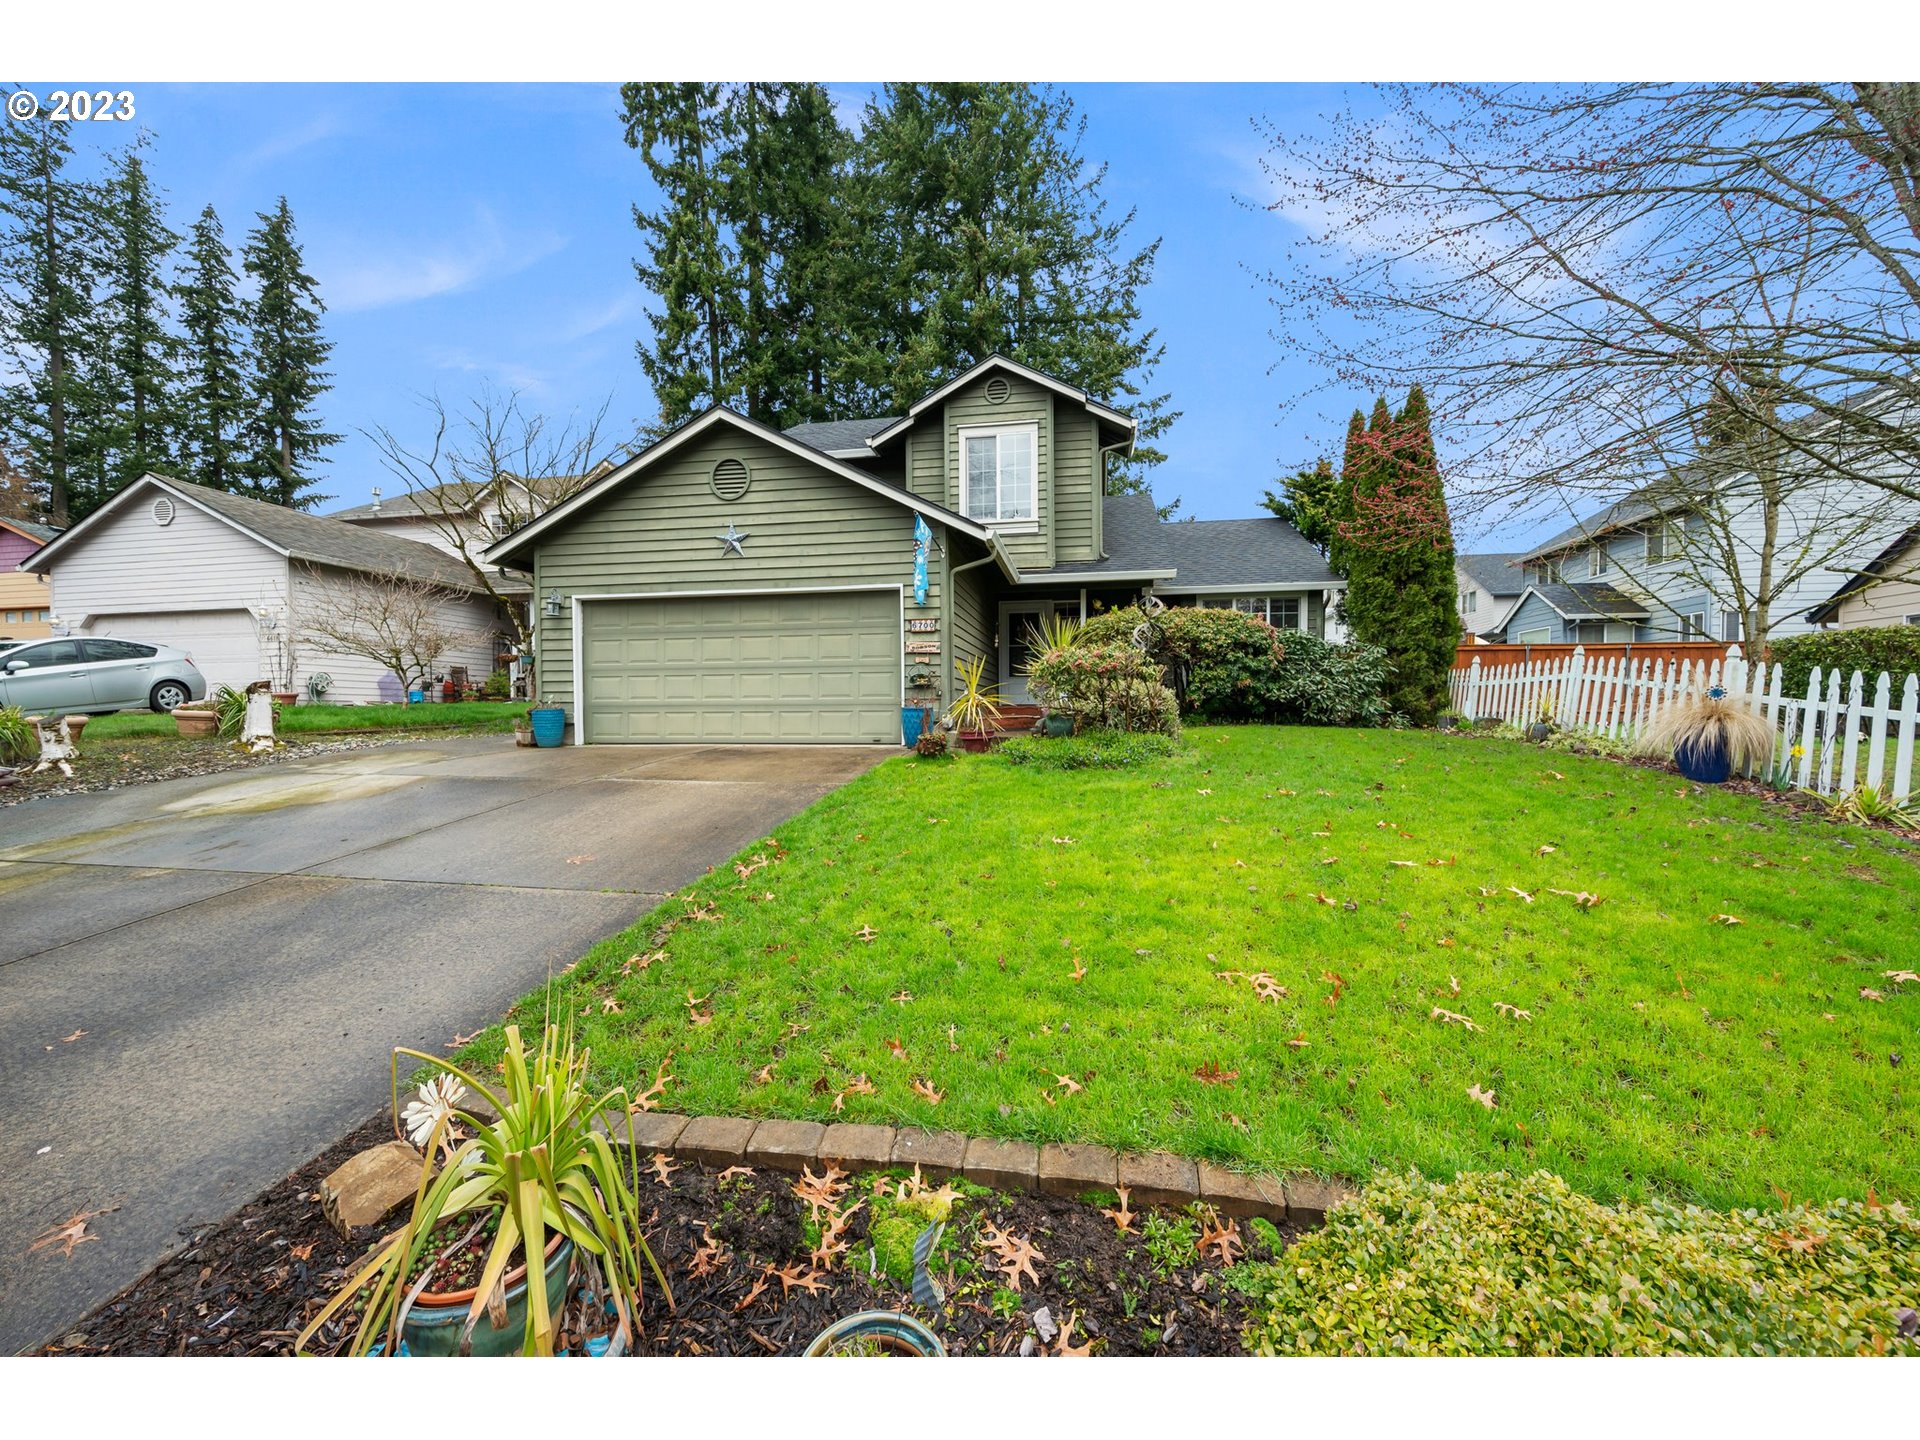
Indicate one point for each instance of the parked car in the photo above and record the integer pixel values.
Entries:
(95, 675)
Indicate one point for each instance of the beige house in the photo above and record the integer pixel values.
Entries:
(1887, 592)
(24, 600)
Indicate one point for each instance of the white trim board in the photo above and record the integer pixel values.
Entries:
(500, 551)
(1001, 362)
(578, 638)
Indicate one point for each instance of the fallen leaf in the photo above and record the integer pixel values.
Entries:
(610, 1006)
(1521, 893)
(650, 1097)
(1221, 1237)
(1547, 850)
(924, 1089)
(904, 997)
(638, 961)
(1453, 984)
(1512, 1012)
(662, 1166)
(695, 1014)
(1582, 898)
(1121, 1215)
(459, 1040)
(1870, 994)
(897, 1048)
(1015, 1254)
(1485, 1097)
(69, 1232)
(1299, 1042)
(1405, 864)
(733, 1172)
(866, 933)
(69, 1039)
(1068, 1084)
(1451, 1018)
(1729, 920)
(1900, 977)
(1325, 899)
(1211, 1074)
(753, 1292)
(302, 1252)
(1079, 970)
(1267, 988)
(1065, 1348)
(764, 1075)
(1063, 840)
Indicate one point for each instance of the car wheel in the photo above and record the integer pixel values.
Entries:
(167, 696)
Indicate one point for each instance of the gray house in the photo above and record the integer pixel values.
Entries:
(736, 582)
(1486, 588)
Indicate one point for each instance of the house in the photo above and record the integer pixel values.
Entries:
(1885, 592)
(1672, 560)
(24, 601)
(1486, 587)
(737, 582)
(229, 579)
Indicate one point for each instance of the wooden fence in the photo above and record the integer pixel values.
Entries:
(1844, 738)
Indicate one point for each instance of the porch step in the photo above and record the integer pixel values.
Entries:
(1016, 718)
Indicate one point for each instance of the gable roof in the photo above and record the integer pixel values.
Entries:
(997, 361)
(29, 529)
(1498, 575)
(1583, 602)
(1875, 568)
(842, 439)
(315, 539)
(503, 550)
(412, 504)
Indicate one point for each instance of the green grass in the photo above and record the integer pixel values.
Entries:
(1668, 1052)
(477, 715)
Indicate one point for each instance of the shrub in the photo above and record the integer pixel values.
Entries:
(1089, 750)
(18, 740)
(1495, 1264)
(1230, 666)
(1114, 687)
(1893, 648)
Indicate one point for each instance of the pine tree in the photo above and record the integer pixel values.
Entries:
(289, 359)
(214, 409)
(1398, 546)
(693, 360)
(49, 268)
(139, 351)
(1306, 501)
(987, 230)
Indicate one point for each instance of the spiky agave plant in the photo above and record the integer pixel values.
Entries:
(1056, 631)
(1703, 721)
(544, 1167)
(1864, 805)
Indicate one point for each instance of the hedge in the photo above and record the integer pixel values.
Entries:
(1495, 1264)
(1893, 648)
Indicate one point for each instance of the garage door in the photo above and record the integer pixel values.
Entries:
(222, 642)
(780, 669)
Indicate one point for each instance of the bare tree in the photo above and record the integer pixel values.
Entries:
(491, 466)
(1592, 283)
(393, 620)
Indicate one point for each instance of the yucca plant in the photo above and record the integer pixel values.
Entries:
(18, 740)
(541, 1166)
(1865, 805)
(231, 706)
(1057, 631)
(977, 705)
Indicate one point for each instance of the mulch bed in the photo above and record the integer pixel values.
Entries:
(110, 763)
(246, 1285)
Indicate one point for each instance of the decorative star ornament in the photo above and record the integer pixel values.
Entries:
(731, 542)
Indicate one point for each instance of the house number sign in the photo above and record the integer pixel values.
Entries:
(923, 647)
(923, 627)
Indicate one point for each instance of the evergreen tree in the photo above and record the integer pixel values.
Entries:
(1398, 545)
(139, 352)
(214, 408)
(49, 268)
(288, 372)
(985, 229)
(1353, 459)
(1307, 502)
(692, 362)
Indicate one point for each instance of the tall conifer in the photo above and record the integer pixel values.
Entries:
(288, 372)
(214, 407)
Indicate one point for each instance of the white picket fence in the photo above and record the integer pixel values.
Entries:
(1834, 725)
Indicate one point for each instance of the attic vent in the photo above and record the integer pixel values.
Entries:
(998, 390)
(163, 511)
(730, 479)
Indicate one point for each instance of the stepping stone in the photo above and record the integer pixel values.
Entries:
(370, 1186)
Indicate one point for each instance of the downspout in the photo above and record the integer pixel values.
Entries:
(953, 595)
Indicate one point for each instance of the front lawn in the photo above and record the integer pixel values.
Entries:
(480, 716)
(1308, 949)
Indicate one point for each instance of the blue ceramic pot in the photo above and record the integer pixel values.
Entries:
(1706, 762)
(549, 725)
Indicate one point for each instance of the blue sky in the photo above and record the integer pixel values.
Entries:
(472, 233)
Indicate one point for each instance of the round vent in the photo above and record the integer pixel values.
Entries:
(163, 511)
(998, 390)
(730, 479)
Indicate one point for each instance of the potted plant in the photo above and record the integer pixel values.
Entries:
(1050, 640)
(976, 708)
(549, 724)
(76, 724)
(539, 1178)
(1709, 734)
(1542, 727)
(523, 732)
(196, 719)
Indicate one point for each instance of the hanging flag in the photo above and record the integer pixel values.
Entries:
(922, 540)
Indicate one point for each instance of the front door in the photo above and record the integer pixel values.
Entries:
(1019, 620)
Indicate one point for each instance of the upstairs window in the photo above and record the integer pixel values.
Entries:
(997, 474)
(1663, 541)
(1598, 563)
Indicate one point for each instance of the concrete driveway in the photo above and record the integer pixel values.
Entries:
(201, 980)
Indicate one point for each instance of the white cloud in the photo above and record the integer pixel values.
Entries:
(482, 252)
(589, 320)
(506, 374)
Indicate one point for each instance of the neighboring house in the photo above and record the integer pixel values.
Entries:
(734, 582)
(1655, 566)
(1886, 592)
(1486, 587)
(227, 578)
(25, 608)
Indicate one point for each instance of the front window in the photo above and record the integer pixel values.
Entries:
(1597, 563)
(998, 473)
(1280, 611)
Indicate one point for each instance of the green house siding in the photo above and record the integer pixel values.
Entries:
(1026, 404)
(971, 622)
(807, 529)
(1074, 503)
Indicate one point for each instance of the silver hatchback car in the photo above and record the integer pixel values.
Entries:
(96, 675)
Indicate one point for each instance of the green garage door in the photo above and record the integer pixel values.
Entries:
(757, 669)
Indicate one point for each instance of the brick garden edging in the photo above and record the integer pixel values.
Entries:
(1020, 1165)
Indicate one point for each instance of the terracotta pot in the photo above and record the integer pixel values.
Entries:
(975, 742)
(523, 737)
(286, 697)
(196, 723)
(75, 724)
